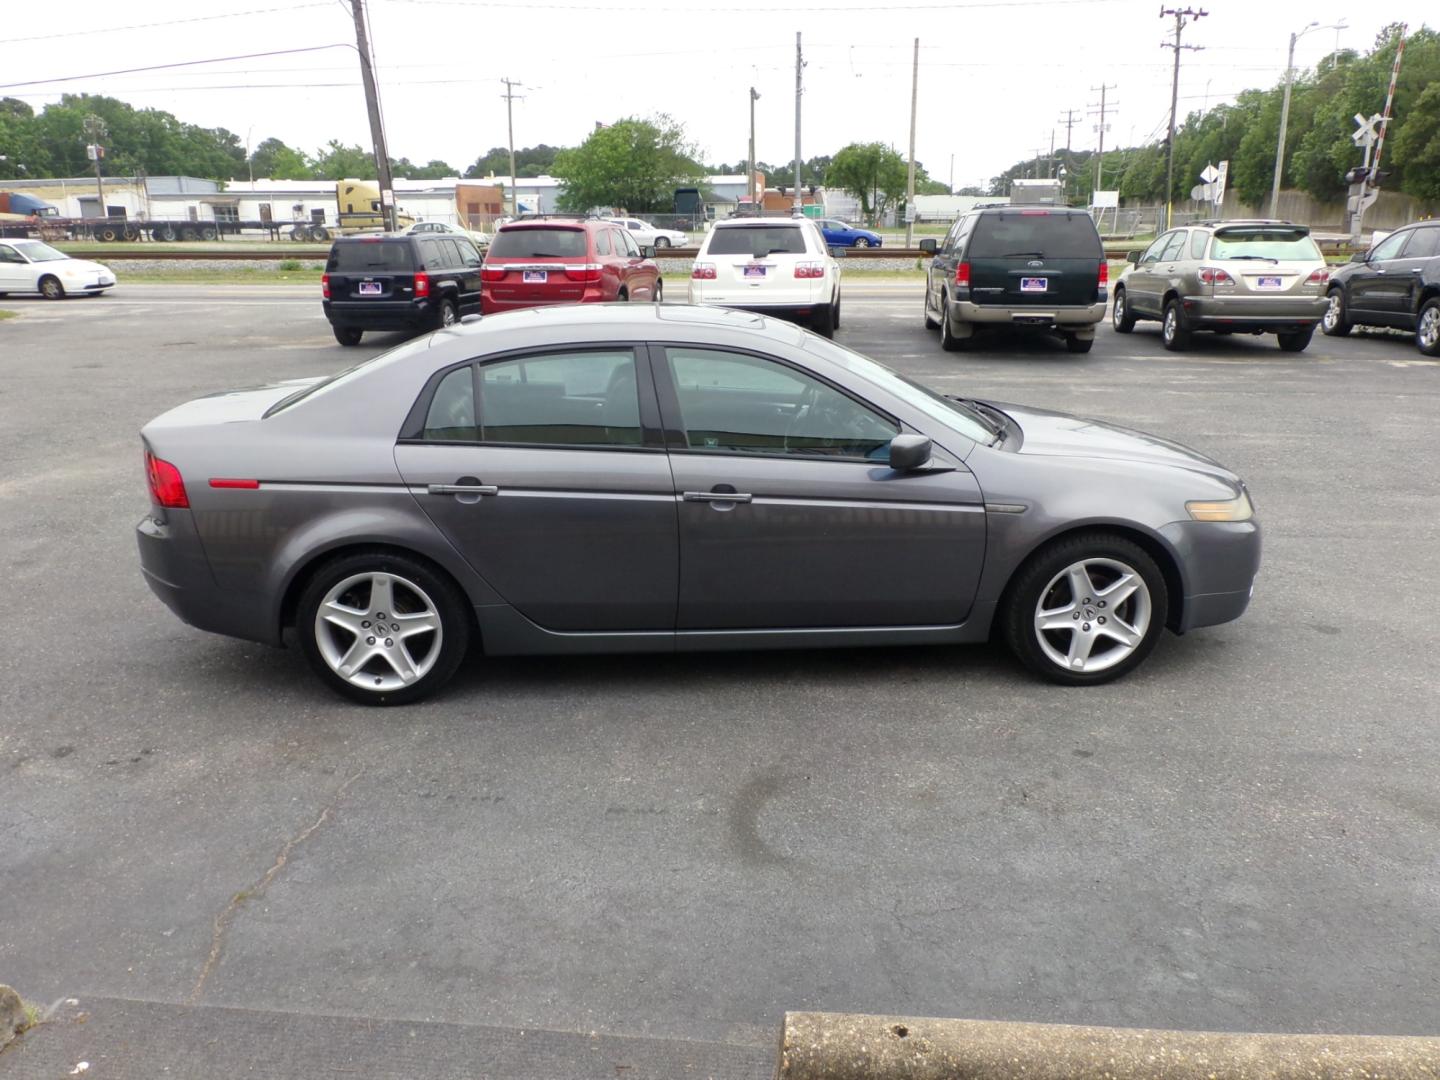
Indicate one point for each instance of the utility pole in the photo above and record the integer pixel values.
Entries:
(1050, 161)
(1069, 123)
(750, 181)
(910, 176)
(952, 174)
(1183, 17)
(1285, 110)
(95, 131)
(509, 96)
(1100, 154)
(377, 126)
(797, 209)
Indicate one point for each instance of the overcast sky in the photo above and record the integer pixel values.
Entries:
(996, 76)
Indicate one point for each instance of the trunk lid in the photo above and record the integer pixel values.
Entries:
(1035, 258)
(372, 268)
(539, 264)
(231, 406)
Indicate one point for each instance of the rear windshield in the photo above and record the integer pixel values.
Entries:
(372, 256)
(533, 242)
(1283, 244)
(758, 240)
(1036, 234)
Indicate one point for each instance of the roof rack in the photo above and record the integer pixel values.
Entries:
(544, 217)
(1246, 221)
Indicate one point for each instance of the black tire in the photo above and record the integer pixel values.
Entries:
(835, 312)
(51, 289)
(167, 233)
(1174, 334)
(1121, 317)
(300, 232)
(1427, 328)
(823, 321)
(209, 232)
(447, 314)
(657, 294)
(948, 341)
(446, 598)
(107, 234)
(1024, 595)
(1334, 323)
(1078, 344)
(319, 233)
(348, 335)
(623, 296)
(1297, 341)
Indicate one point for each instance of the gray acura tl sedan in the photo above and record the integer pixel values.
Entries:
(625, 478)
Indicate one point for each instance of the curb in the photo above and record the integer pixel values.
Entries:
(847, 1046)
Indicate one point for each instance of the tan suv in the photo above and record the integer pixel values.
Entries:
(1231, 277)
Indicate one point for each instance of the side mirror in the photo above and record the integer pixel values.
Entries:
(1360, 257)
(908, 452)
(1133, 257)
(647, 251)
(930, 244)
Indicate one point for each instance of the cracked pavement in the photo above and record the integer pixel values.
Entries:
(1241, 836)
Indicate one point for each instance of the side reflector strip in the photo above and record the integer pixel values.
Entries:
(228, 482)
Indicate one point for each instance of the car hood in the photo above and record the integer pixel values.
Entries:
(80, 266)
(1056, 434)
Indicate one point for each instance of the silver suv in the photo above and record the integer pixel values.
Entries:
(1231, 277)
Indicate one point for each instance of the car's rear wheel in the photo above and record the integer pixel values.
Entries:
(1086, 609)
(658, 295)
(931, 323)
(1334, 323)
(1297, 341)
(51, 289)
(623, 296)
(382, 629)
(861, 242)
(449, 315)
(1174, 335)
(823, 321)
(948, 340)
(1121, 317)
(1427, 328)
(348, 335)
(1076, 344)
(835, 312)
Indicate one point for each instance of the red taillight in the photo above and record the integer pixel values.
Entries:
(703, 271)
(962, 275)
(232, 482)
(1104, 272)
(167, 488)
(1213, 275)
(1034, 213)
(1318, 277)
(422, 284)
(325, 286)
(493, 273)
(809, 270)
(587, 272)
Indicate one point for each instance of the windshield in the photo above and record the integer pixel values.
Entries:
(35, 251)
(1035, 233)
(948, 411)
(371, 256)
(757, 241)
(1286, 245)
(539, 243)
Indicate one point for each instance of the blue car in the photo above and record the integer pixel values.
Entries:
(839, 234)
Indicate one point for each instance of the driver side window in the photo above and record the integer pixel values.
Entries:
(1389, 248)
(736, 403)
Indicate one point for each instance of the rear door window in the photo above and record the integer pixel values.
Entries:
(539, 242)
(757, 241)
(1035, 233)
(602, 242)
(371, 257)
(587, 398)
(451, 416)
(1198, 239)
(1423, 244)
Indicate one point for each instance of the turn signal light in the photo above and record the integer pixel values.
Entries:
(1213, 275)
(1228, 510)
(962, 275)
(167, 487)
(703, 271)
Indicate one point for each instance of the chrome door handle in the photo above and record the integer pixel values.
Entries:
(716, 496)
(462, 489)
(1417, 269)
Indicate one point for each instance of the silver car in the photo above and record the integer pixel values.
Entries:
(626, 478)
(1233, 277)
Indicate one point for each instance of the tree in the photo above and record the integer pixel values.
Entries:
(1418, 145)
(529, 161)
(336, 161)
(872, 173)
(811, 172)
(632, 164)
(276, 161)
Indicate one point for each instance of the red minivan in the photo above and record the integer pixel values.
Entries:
(552, 260)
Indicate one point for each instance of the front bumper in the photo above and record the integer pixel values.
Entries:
(1060, 317)
(1218, 563)
(1274, 313)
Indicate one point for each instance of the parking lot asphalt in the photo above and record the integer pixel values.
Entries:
(1241, 835)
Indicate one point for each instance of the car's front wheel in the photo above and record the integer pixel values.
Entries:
(51, 289)
(861, 242)
(661, 242)
(1334, 323)
(1086, 609)
(382, 629)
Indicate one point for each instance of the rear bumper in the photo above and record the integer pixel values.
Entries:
(380, 315)
(1218, 563)
(1061, 317)
(490, 305)
(1257, 312)
(173, 564)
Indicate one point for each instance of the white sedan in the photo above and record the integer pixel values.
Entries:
(28, 266)
(646, 234)
(446, 229)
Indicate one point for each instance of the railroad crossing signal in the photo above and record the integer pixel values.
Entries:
(1366, 130)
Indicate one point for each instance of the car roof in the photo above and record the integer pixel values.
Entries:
(733, 223)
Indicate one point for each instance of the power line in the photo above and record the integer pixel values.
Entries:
(183, 63)
(167, 22)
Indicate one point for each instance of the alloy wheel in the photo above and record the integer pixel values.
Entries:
(1427, 334)
(378, 631)
(1332, 312)
(447, 314)
(1092, 615)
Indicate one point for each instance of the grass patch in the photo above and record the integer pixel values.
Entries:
(160, 274)
(7, 314)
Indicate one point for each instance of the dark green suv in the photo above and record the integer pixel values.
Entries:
(1025, 266)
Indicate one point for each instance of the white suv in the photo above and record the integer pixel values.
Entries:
(773, 265)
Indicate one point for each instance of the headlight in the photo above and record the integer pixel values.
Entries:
(1229, 510)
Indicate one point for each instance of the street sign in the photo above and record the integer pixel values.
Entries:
(1209, 174)
(1105, 200)
(909, 213)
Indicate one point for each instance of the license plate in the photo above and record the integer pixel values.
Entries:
(1269, 283)
(370, 288)
(755, 270)
(535, 277)
(1034, 284)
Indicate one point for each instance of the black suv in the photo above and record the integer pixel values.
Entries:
(399, 283)
(1396, 283)
(1023, 266)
